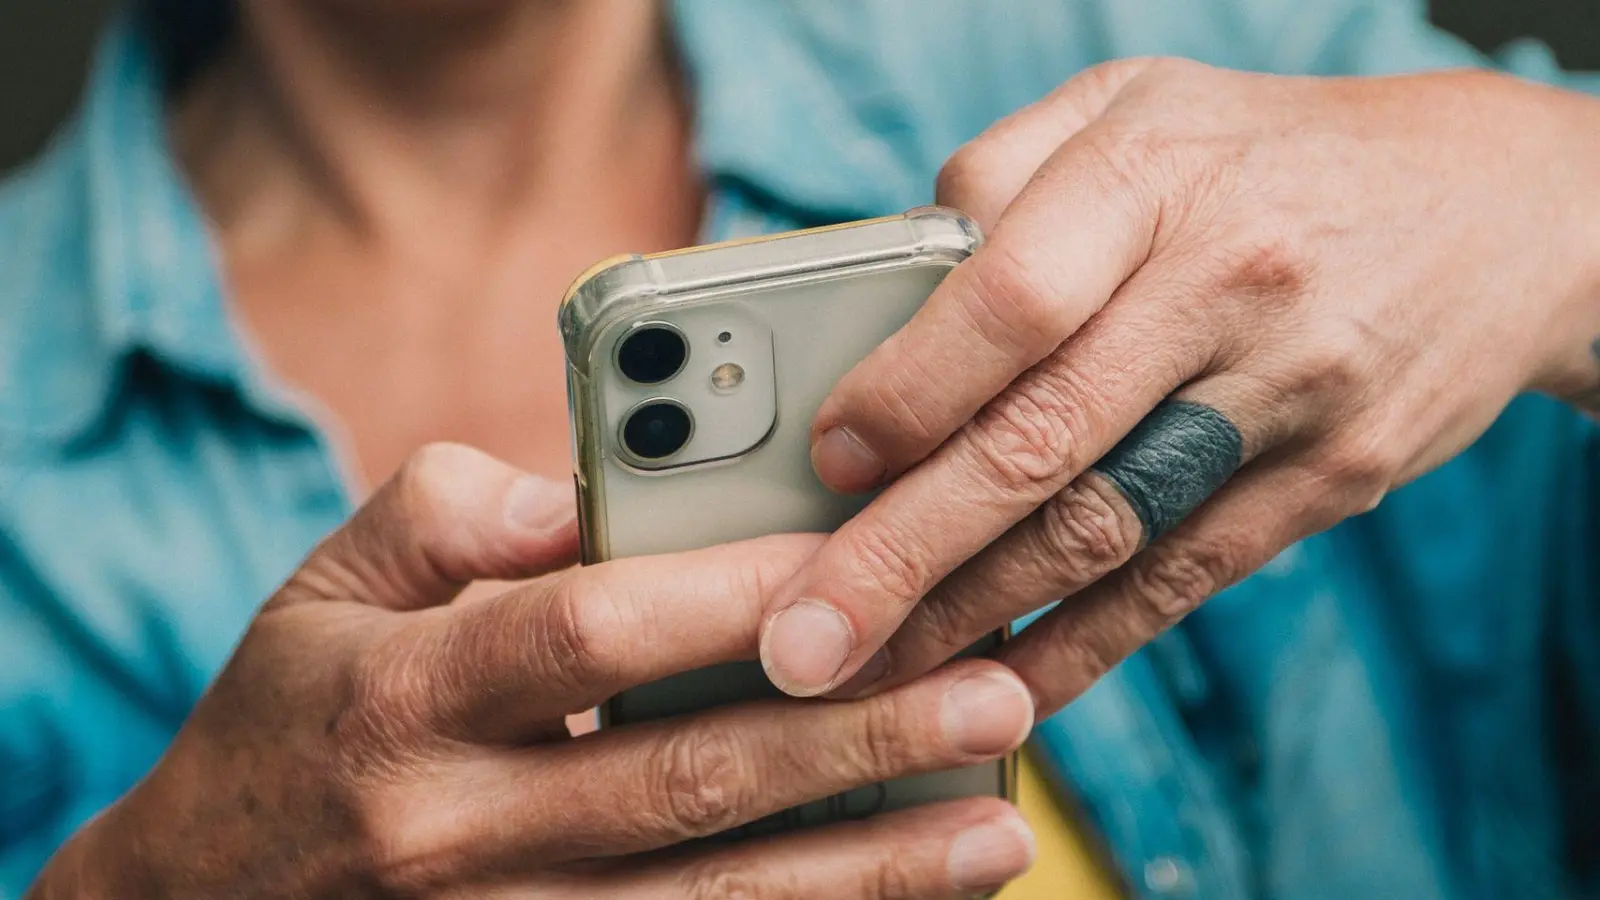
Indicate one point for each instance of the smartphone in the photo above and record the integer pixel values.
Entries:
(693, 377)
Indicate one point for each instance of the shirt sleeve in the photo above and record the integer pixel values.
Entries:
(75, 732)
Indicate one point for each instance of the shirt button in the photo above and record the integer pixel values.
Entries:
(1168, 875)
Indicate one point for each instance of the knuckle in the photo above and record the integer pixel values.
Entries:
(428, 494)
(1356, 473)
(411, 844)
(578, 640)
(407, 840)
(1105, 77)
(1166, 83)
(1131, 155)
(964, 178)
(1084, 535)
(1177, 581)
(1027, 438)
(764, 571)
(397, 871)
(702, 784)
(1096, 88)
(936, 629)
(881, 747)
(895, 561)
(1353, 466)
(720, 881)
(1080, 655)
(1176, 68)
(1017, 309)
(1340, 363)
(426, 475)
(890, 878)
(1160, 173)
(386, 698)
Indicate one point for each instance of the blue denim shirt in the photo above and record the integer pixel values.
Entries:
(1405, 707)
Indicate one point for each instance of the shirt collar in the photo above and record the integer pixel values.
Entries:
(154, 280)
(794, 111)
(104, 255)
(779, 135)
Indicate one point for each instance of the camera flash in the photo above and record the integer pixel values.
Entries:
(727, 377)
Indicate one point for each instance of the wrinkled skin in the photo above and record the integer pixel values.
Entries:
(1359, 274)
(372, 738)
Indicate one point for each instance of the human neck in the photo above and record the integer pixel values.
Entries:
(404, 121)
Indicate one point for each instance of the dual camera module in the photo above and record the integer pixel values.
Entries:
(696, 385)
(653, 354)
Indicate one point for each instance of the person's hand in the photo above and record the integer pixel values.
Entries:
(1218, 312)
(370, 738)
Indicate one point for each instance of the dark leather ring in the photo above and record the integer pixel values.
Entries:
(1172, 461)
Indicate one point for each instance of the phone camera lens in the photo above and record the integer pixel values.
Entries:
(652, 354)
(657, 430)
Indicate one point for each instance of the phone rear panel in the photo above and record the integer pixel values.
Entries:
(823, 299)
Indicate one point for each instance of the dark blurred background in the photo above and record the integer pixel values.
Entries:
(43, 45)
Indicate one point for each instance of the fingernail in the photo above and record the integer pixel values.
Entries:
(536, 504)
(986, 714)
(804, 647)
(987, 856)
(845, 463)
(871, 672)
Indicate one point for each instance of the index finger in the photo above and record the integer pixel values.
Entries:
(825, 623)
(645, 786)
(1073, 229)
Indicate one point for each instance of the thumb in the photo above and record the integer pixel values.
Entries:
(450, 516)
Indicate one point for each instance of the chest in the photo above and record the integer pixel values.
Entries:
(449, 336)
(388, 357)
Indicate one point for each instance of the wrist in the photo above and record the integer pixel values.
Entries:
(1569, 368)
(99, 862)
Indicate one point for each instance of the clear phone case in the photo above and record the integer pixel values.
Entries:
(824, 298)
